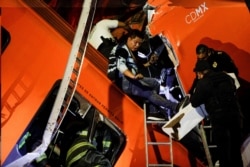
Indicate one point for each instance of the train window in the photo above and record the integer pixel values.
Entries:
(5, 39)
(70, 11)
(64, 15)
(82, 119)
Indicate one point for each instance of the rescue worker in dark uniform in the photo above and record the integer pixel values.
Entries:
(221, 61)
(218, 60)
(216, 90)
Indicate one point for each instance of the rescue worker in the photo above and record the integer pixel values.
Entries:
(218, 61)
(217, 91)
(221, 61)
(78, 151)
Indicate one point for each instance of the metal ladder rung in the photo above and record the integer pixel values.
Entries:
(72, 83)
(76, 71)
(160, 122)
(207, 127)
(159, 143)
(156, 165)
(74, 75)
(79, 58)
(212, 146)
(68, 93)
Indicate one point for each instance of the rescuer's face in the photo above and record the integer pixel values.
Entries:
(202, 56)
(199, 75)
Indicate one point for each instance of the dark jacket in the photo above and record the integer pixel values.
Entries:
(221, 61)
(217, 91)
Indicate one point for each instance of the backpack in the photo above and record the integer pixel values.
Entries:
(112, 71)
(106, 46)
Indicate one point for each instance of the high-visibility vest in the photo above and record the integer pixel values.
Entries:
(83, 154)
(106, 139)
(79, 148)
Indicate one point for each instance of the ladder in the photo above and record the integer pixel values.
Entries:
(166, 144)
(206, 146)
(67, 87)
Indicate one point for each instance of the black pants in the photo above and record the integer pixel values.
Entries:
(228, 140)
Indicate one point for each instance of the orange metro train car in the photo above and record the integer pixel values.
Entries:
(37, 39)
